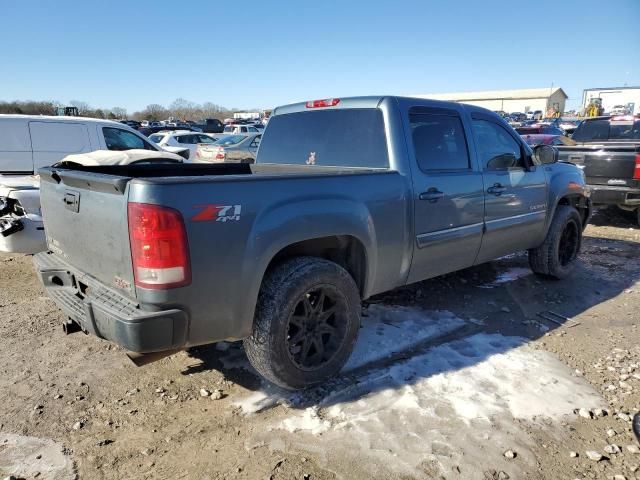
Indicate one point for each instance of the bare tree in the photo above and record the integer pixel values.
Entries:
(83, 107)
(119, 112)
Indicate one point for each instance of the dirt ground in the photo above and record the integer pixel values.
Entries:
(474, 385)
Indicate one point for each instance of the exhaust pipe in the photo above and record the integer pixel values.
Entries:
(142, 359)
(70, 327)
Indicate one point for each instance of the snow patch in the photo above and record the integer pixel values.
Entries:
(391, 329)
(441, 407)
(309, 421)
(385, 330)
(510, 275)
(24, 457)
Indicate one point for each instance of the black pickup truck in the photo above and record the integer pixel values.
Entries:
(608, 151)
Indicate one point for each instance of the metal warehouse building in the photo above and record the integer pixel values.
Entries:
(524, 100)
(614, 96)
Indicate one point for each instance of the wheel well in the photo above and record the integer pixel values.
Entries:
(578, 202)
(345, 250)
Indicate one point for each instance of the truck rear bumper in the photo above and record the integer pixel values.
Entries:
(107, 313)
(605, 195)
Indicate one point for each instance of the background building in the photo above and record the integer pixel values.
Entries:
(523, 100)
(614, 96)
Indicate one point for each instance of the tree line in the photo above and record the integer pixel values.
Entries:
(180, 109)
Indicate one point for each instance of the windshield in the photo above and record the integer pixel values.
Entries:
(230, 140)
(344, 137)
(605, 129)
(156, 138)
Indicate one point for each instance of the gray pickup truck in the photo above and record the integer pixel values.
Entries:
(608, 150)
(349, 198)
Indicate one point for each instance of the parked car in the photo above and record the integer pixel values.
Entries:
(539, 129)
(210, 125)
(183, 139)
(348, 198)
(148, 131)
(619, 110)
(131, 123)
(568, 126)
(28, 142)
(517, 117)
(240, 148)
(546, 139)
(235, 128)
(608, 151)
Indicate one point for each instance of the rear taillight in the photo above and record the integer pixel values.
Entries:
(636, 171)
(327, 102)
(220, 154)
(159, 247)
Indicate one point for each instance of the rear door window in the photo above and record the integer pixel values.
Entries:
(204, 139)
(343, 137)
(187, 139)
(439, 141)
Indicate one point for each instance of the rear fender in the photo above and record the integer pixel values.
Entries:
(288, 223)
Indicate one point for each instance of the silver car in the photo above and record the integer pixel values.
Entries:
(239, 148)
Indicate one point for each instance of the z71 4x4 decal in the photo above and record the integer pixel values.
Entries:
(218, 213)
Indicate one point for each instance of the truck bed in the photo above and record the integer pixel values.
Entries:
(86, 222)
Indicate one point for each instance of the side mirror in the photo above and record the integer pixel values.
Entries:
(546, 154)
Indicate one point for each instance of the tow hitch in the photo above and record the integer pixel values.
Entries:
(142, 359)
(70, 327)
(9, 226)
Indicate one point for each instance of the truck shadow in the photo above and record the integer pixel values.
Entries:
(450, 323)
(614, 217)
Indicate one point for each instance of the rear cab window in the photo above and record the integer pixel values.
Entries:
(349, 137)
(608, 129)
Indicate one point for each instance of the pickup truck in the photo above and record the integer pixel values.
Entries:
(210, 125)
(608, 150)
(349, 198)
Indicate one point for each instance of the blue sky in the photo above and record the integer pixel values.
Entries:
(269, 52)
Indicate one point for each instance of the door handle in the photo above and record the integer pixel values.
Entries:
(432, 195)
(497, 189)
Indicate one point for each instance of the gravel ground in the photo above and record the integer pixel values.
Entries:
(75, 407)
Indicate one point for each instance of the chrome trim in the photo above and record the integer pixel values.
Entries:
(438, 236)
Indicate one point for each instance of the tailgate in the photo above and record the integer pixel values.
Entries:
(85, 219)
(612, 164)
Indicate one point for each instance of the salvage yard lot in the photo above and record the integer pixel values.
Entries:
(451, 378)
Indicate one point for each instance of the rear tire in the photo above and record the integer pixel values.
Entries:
(556, 257)
(306, 323)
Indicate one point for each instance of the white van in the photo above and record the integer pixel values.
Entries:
(28, 142)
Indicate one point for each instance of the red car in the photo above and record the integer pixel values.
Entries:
(546, 139)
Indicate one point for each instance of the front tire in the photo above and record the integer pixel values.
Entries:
(556, 257)
(306, 323)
